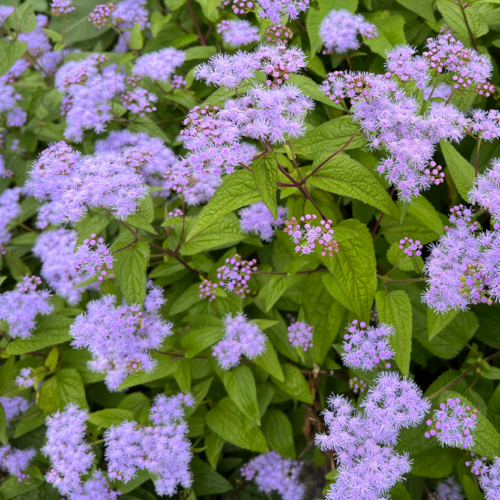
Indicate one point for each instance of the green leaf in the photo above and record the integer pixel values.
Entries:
(199, 53)
(206, 480)
(182, 375)
(437, 321)
(32, 419)
(424, 8)
(461, 170)
(3, 426)
(175, 4)
(64, 387)
(471, 489)
(322, 312)
(136, 38)
(157, 22)
(344, 176)
(214, 444)
(10, 52)
(437, 463)
(277, 286)
(164, 367)
(241, 388)
(91, 224)
(109, 417)
(138, 404)
(198, 340)
(453, 16)
(238, 190)
(269, 361)
(8, 374)
(421, 208)
(295, 384)
(228, 422)
(199, 393)
(278, 431)
(395, 309)
(265, 174)
(330, 136)
(23, 19)
(187, 299)
(144, 216)
(398, 258)
(390, 32)
(353, 278)
(317, 12)
(130, 269)
(311, 89)
(53, 35)
(50, 330)
(399, 492)
(12, 487)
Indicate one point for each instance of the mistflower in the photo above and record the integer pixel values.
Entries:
(275, 9)
(96, 488)
(301, 334)
(242, 337)
(9, 98)
(14, 461)
(239, 6)
(235, 274)
(162, 448)
(178, 82)
(306, 237)
(139, 101)
(60, 7)
(25, 379)
(403, 64)
(484, 125)
(177, 212)
(277, 62)
(70, 455)
(207, 290)
(410, 247)
(357, 385)
(490, 481)
(453, 424)
(93, 259)
(120, 337)
(440, 91)
(15, 406)
(278, 34)
(238, 32)
(9, 210)
(273, 473)
(50, 61)
(159, 65)
(257, 219)
(19, 307)
(127, 14)
(100, 17)
(477, 465)
(448, 489)
(37, 40)
(201, 189)
(366, 346)
(339, 31)
(486, 190)
(15, 71)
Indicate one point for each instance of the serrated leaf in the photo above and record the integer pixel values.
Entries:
(390, 32)
(198, 340)
(10, 53)
(265, 174)
(240, 385)
(109, 417)
(436, 322)
(311, 89)
(437, 463)
(395, 309)
(278, 431)
(136, 38)
(199, 53)
(207, 481)
(453, 16)
(214, 444)
(269, 361)
(12, 487)
(461, 170)
(64, 387)
(422, 209)
(183, 375)
(22, 19)
(344, 176)
(32, 419)
(295, 385)
(424, 8)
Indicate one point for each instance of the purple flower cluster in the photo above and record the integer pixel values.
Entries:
(37, 40)
(448, 489)
(275, 9)
(15, 406)
(93, 259)
(257, 219)
(339, 31)
(201, 189)
(357, 385)
(486, 190)
(490, 481)
(403, 64)
(453, 424)
(366, 346)
(139, 101)
(306, 237)
(235, 274)
(120, 337)
(19, 307)
(178, 82)
(14, 461)
(410, 247)
(159, 65)
(60, 7)
(440, 91)
(70, 455)
(100, 17)
(278, 34)
(242, 337)
(207, 290)
(271, 472)
(9, 98)
(484, 125)
(301, 334)
(71, 183)
(368, 465)
(96, 488)
(238, 32)
(25, 379)
(163, 448)
(9, 210)
(127, 14)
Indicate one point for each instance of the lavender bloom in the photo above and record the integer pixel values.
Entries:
(242, 337)
(306, 238)
(92, 259)
(339, 31)
(178, 81)
(275, 9)
(15, 461)
(130, 12)
(61, 7)
(163, 448)
(484, 125)
(441, 91)
(235, 274)
(486, 190)
(201, 190)
(9, 210)
(278, 34)
(357, 385)
(410, 247)
(237, 33)
(402, 64)
(96, 488)
(100, 17)
(301, 334)
(271, 472)
(50, 61)
(490, 481)
(159, 65)
(70, 456)
(9, 98)
(19, 307)
(449, 489)
(15, 406)
(15, 71)
(25, 379)
(453, 424)
(257, 219)
(37, 40)
(120, 337)
(139, 101)
(207, 290)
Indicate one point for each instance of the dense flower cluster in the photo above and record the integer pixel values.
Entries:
(486, 190)
(13, 407)
(235, 274)
(275, 9)
(120, 337)
(9, 210)
(453, 424)
(490, 481)
(301, 334)
(139, 101)
(257, 219)
(410, 247)
(162, 448)
(448, 489)
(242, 337)
(366, 346)
(339, 31)
(357, 385)
(100, 17)
(484, 125)
(440, 91)
(93, 259)
(96, 488)
(70, 455)
(238, 32)
(159, 65)
(208, 290)
(271, 472)
(306, 237)
(60, 7)
(278, 34)
(15, 461)
(9, 105)
(25, 379)
(19, 307)
(368, 465)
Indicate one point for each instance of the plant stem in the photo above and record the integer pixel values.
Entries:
(195, 22)
(466, 21)
(477, 154)
(382, 215)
